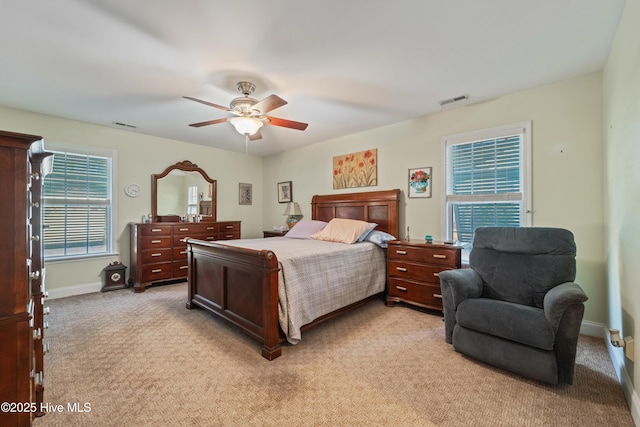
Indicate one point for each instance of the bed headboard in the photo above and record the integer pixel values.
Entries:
(381, 207)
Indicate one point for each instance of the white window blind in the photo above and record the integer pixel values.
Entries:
(486, 180)
(77, 204)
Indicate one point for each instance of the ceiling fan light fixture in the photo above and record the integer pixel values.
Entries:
(246, 125)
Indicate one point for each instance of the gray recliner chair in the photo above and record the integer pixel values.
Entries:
(517, 307)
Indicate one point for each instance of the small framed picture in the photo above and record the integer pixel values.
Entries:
(420, 182)
(246, 195)
(285, 192)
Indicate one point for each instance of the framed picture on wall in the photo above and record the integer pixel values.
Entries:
(285, 192)
(420, 182)
(246, 195)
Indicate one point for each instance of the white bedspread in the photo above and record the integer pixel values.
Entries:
(318, 277)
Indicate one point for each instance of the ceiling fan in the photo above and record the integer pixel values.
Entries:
(250, 114)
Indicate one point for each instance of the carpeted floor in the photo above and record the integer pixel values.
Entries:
(143, 359)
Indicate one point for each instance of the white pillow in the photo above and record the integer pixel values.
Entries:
(305, 228)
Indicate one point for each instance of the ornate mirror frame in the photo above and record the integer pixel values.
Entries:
(185, 166)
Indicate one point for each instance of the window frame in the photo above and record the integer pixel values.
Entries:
(520, 128)
(112, 236)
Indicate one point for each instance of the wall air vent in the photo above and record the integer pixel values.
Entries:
(454, 102)
(124, 125)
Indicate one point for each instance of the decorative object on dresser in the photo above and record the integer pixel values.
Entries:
(113, 277)
(23, 163)
(240, 284)
(159, 253)
(294, 214)
(285, 192)
(413, 268)
(176, 193)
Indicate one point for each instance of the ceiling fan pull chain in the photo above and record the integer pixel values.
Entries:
(246, 144)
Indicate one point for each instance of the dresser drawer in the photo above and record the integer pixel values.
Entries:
(227, 227)
(154, 230)
(155, 256)
(180, 253)
(155, 272)
(426, 254)
(192, 229)
(180, 268)
(415, 271)
(423, 294)
(226, 235)
(157, 242)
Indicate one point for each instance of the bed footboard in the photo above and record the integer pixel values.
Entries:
(239, 285)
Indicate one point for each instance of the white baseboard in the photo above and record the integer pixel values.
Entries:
(69, 291)
(617, 358)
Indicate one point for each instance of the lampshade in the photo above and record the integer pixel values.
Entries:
(292, 209)
(246, 125)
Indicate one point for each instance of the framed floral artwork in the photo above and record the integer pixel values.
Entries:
(420, 182)
(246, 195)
(285, 192)
(356, 169)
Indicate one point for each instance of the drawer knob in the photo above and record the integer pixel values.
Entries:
(401, 252)
(211, 228)
(183, 252)
(437, 296)
(157, 270)
(156, 230)
(184, 267)
(401, 288)
(156, 254)
(229, 226)
(436, 274)
(439, 256)
(35, 204)
(34, 275)
(184, 229)
(35, 238)
(46, 311)
(35, 175)
(46, 347)
(401, 269)
(156, 241)
(37, 334)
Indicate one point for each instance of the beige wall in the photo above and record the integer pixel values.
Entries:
(138, 157)
(567, 152)
(621, 83)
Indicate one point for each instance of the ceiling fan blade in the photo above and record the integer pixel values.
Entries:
(269, 103)
(286, 123)
(219, 107)
(210, 122)
(255, 136)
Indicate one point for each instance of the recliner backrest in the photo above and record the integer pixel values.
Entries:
(521, 264)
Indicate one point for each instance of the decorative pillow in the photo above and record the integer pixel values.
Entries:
(342, 230)
(305, 228)
(366, 233)
(380, 238)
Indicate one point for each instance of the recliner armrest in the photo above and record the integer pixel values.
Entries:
(457, 286)
(461, 284)
(559, 298)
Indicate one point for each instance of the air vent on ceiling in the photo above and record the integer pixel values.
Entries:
(454, 102)
(124, 125)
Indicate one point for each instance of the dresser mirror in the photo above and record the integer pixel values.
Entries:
(183, 191)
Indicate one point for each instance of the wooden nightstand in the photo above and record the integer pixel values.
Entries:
(273, 233)
(412, 271)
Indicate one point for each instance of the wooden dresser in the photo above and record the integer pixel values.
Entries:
(22, 285)
(412, 271)
(159, 254)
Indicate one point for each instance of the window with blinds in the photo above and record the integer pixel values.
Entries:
(486, 179)
(77, 206)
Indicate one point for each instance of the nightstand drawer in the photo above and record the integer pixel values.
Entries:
(415, 271)
(426, 254)
(423, 294)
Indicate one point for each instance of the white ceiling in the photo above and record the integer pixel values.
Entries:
(344, 66)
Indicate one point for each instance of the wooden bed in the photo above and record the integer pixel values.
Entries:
(240, 285)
